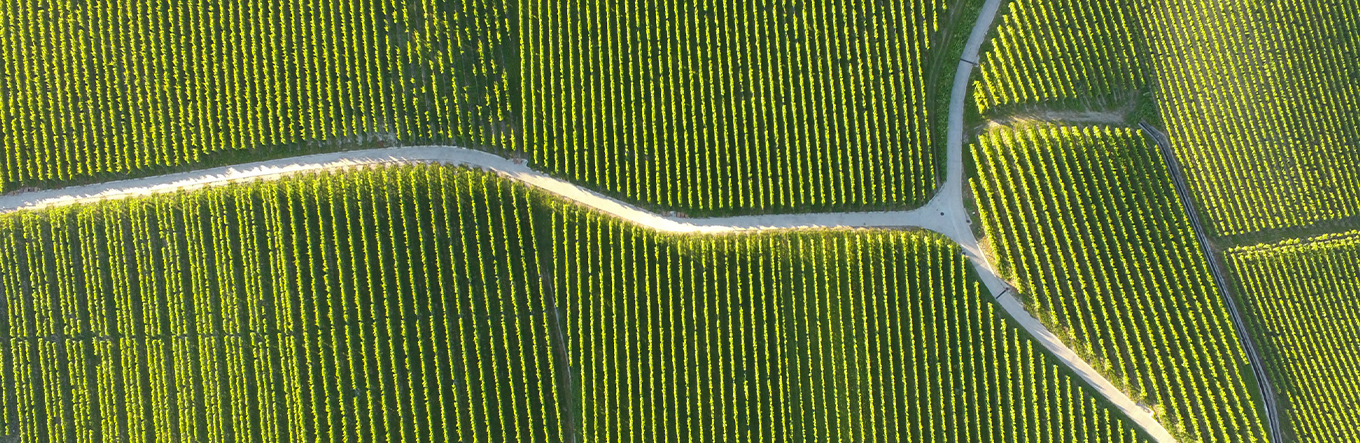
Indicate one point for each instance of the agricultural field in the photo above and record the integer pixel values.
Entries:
(1061, 55)
(1301, 298)
(703, 108)
(328, 308)
(827, 336)
(96, 90)
(715, 107)
(1257, 99)
(1086, 223)
(431, 303)
(425, 302)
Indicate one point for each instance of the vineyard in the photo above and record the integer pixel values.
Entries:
(705, 108)
(1265, 122)
(394, 305)
(831, 336)
(1256, 98)
(438, 303)
(715, 107)
(1302, 298)
(242, 313)
(94, 89)
(1086, 223)
(1060, 53)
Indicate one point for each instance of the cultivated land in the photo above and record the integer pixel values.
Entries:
(1256, 100)
(737, 109)
(336, 306)
(718, 108)
(1301, 297)
(1060, 55)
(1264, 121)
(859, 335)
(99, 91)
(949, 207)
(1088, 225)
(1263, 151)
(740, 106)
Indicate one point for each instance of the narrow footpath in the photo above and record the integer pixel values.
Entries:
(944, 214)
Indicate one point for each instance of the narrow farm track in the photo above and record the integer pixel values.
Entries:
(449, 155)
(944, 214)
(1216, 268)
(949, 201)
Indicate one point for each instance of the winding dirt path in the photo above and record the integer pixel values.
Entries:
(450, 155)
(944, 214)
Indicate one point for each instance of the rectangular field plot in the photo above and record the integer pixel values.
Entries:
(715, 107)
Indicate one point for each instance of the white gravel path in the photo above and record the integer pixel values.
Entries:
(944, 214)
(952, 195)
(451, 155)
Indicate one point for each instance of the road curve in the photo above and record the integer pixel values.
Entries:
(450, 155)
(944, 214)
(950, 201)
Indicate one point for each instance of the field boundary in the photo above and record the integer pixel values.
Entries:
(949, 200)
(944, 213)
(1216, 268)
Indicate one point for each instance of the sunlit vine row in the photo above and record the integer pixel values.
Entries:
(380, 305)
(722, 106)
(806, 336)
(116, 88)
(1060, 53)
(1300, 300)
(1087, 224)
(431, 303)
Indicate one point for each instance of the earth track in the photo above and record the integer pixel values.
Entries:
(944, 214)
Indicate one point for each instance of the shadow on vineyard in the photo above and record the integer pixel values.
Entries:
(368, 302)
(1300, 299)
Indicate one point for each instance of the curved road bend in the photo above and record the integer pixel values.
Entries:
(944, 214)
(950, 201)
(273, 169)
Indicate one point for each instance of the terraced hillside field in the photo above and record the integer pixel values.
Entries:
(430, 303)
(1086, 223)
(1301, 299)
